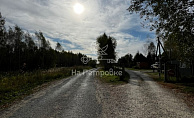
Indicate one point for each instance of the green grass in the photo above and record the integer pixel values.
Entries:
(13, 86)
(186, 87)
(113, 79)
(155, 76)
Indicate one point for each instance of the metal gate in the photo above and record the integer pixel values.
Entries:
(171, 72)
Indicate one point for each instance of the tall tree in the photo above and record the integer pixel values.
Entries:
(2, 30)
(126, 60)
(139, 58)
(44, 44)
(172, 19)
(151, 48)
(18, 46)
(59, 47)
(106, 50)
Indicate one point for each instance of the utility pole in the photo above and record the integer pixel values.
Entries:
(160, 58)
(158, 49)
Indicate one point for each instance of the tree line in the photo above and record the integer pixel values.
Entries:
(131, 62)
(20, 50)
(107, 55)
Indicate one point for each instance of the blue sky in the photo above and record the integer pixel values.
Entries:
(76, 32)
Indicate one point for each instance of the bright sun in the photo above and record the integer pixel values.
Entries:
(78, 8)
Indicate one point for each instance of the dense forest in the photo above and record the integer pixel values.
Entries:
(20, 50)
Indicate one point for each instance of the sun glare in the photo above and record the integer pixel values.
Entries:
(78, 8)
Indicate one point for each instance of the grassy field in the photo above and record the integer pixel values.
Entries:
(16, 85)
(114, 79)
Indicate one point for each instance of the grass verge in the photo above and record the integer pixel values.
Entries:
(182, 86)
(14, 86)
(113, 79)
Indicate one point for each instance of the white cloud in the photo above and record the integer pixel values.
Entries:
(56, 19)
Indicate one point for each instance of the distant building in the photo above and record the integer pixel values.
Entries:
(142, 65)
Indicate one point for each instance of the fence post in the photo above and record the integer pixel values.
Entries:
(177, 73)
(165, 73)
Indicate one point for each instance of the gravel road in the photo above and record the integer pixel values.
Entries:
(73, 97)
(86, 97)
(141, 98)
